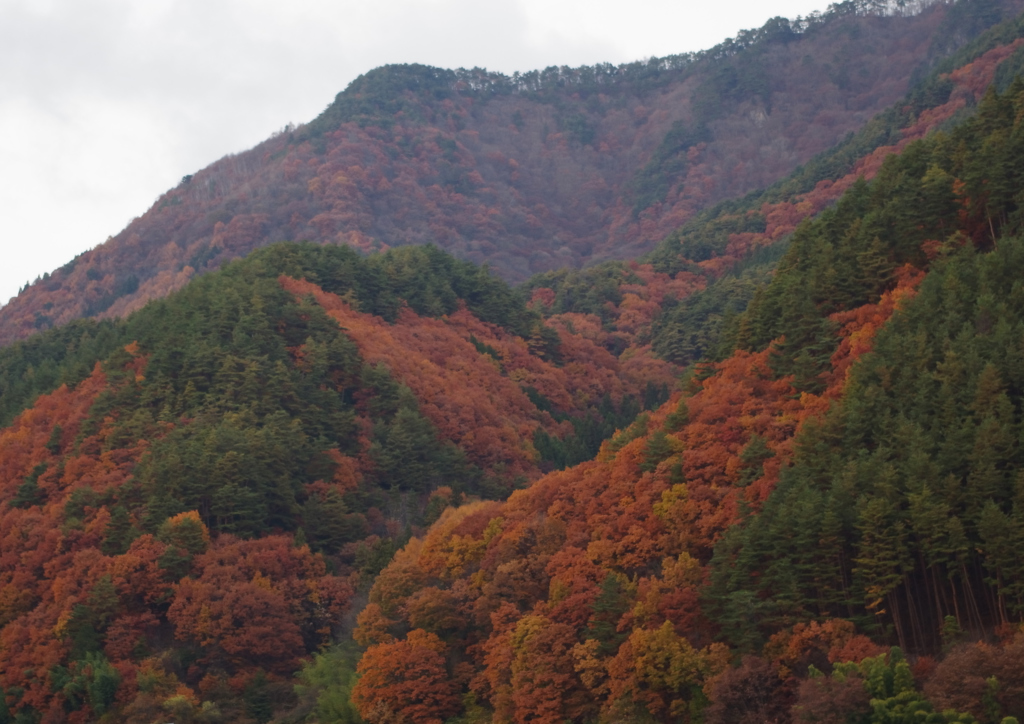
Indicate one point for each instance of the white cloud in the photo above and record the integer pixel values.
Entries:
(104, 104)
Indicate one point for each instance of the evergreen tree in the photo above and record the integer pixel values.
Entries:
(658, 448)
(29, 493)
(752, 459)
(329, 523)
(54, 443)
(258, 704)
(119, 532)
(611, 602)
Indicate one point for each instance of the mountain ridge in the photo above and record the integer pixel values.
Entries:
(569, 178)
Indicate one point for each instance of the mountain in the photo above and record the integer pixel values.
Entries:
(538, 171)
(271, 432)
(770, 471)
(849, 475)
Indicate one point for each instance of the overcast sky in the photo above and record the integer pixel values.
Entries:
(105, 104)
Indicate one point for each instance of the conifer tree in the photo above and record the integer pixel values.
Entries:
(29, 493)
(119, 532)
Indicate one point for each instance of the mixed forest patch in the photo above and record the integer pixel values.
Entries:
(197, 512)
(845, 480)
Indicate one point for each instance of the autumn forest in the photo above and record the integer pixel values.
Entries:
(689, 390)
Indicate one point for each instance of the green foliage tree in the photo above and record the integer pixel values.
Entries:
(327, 681)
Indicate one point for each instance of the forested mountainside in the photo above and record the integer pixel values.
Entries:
(822, 526)
(678, 298)
(220, 472)
(773, 471)
(847, 479)
(530, 173)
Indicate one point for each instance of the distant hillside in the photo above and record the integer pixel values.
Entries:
(684, 296)
(550, 169)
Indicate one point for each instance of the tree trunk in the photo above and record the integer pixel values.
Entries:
(894, 609)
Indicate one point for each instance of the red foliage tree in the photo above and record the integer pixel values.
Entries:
(406, 679)
(750, 694)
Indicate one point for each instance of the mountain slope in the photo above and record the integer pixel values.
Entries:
(222, 470)
(539, 171)
(683, 295)
(848, 478)
(196, 499)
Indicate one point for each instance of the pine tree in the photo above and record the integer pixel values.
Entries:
(329, 524)
(752, 459)
(882, 558)
(258, 704)
(678, 418)
(54, 443)
(874, 271)
(659, 447)
(29, 493)
(119, 532)
(612, 601)
(830, 562)
(1003, 537)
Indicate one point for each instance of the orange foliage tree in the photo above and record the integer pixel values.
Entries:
(406, 679)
